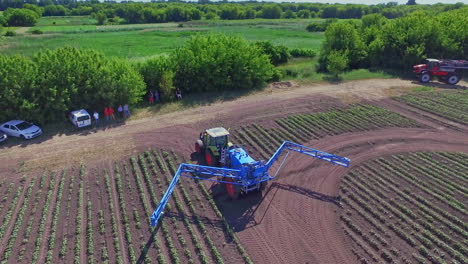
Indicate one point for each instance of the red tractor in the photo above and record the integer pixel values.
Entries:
(448, 71)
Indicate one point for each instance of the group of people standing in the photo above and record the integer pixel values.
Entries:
(123, 112)
(155, 97)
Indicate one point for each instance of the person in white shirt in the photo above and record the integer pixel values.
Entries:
(96, 118)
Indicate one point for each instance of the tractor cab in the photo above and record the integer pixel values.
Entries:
(433, 64)
(213, 144)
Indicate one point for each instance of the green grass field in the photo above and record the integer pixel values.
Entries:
(146, 40)
(140, 41)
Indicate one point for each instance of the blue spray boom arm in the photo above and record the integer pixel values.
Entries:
(196, 172)
(206, 172)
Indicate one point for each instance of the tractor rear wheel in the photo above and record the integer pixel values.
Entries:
(210, 158)
(453, 79)
(199, 147)
(425, 77)
(233, 190)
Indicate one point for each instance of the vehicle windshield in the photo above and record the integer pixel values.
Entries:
(24, 125)
(82, 118)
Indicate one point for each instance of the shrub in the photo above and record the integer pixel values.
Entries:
(37, 32)
(303, 53)
(10, 33)
(219, 62)
(278, 54)
(21, 17)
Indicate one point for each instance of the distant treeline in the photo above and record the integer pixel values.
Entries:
(180, 11)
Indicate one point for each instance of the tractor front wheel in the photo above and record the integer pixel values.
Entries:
(199, 147)
(232, 190)
(425, 77)
(210, 159)
(453, 79)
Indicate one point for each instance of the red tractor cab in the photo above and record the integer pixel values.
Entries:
(448, 71)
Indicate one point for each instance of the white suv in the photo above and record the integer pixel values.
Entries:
(80, 118)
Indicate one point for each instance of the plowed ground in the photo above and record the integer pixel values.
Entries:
(303, 216)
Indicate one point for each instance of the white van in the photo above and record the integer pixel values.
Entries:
(80, 118)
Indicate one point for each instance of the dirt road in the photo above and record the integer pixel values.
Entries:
(113, 143)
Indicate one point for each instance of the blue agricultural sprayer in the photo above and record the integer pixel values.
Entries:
(231, 165)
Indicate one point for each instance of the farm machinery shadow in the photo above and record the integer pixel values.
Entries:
(243, 213)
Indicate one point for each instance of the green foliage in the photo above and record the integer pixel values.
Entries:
(2, 21)
(21, 17)
(101, 17)
(343, 38)
(303, 53)
(10, 33)
(17, 80)
(278, 54)
(35, 8)
(271, 11)
(401, 42)
(56, 81)
(37, 32)
(55, 10)
(337, 62)
(320, 26)
(158, 75)
(303, 13)
(215, 62)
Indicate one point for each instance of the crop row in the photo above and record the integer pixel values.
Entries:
(79, 216)
(124, 214)
(451, 111)
(115, 234)
(55, 217)
(18, 221)
(226, 226)
(368, 190)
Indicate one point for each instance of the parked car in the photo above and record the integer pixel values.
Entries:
(80, 118)
(3, 137)
(21, 129)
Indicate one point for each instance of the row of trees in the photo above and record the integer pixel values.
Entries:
(399, 43)
(44, 87)
(51, 83)
(179, 11)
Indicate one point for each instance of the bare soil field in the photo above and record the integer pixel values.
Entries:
(402, 200)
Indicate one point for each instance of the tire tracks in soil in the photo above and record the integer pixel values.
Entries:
(14, 215)
(117, 213)
(45, 238)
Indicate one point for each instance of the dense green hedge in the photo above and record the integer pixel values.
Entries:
(45, 87)
(51, 83)
(397, 43)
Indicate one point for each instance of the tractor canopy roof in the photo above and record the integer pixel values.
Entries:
(217, 132)
(433, 60)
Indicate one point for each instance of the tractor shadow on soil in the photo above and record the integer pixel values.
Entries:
(243, 213)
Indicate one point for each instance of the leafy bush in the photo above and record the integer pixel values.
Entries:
(21, 17)
(303, 53)
(158, 75)
(278, 54)
(320, 26)
(37, 32)
(10, 33)
(55, 81)
(215, 62)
